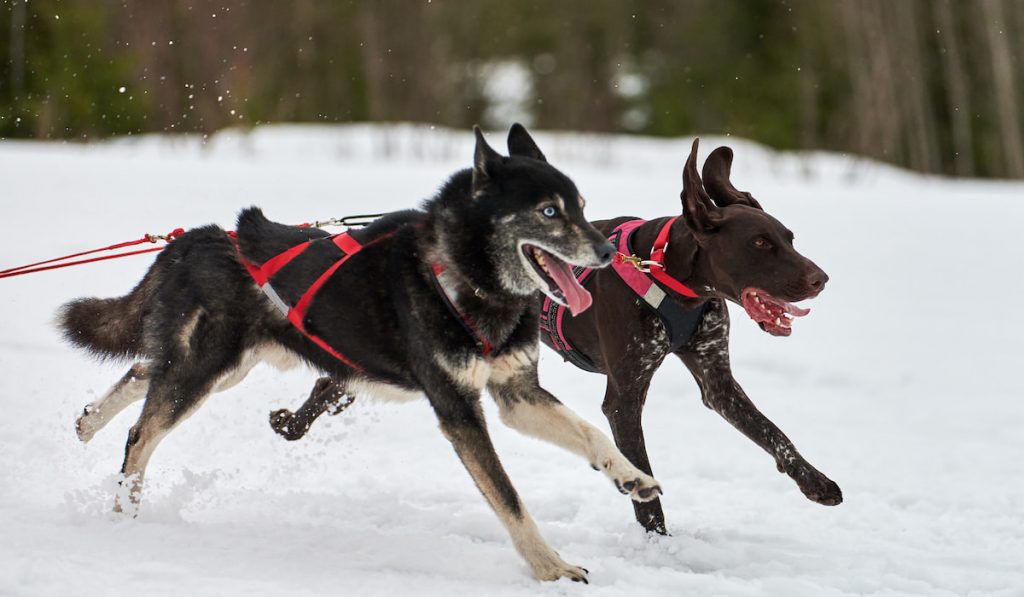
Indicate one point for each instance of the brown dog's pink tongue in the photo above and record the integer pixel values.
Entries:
(577, 297)
(796, 311)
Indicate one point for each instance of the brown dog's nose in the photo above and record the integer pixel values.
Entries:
(816, 280)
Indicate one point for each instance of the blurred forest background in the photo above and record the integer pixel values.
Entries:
(933, 85)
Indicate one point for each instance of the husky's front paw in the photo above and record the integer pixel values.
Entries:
(631, 481)
(640, 489)
(283, 422)
(556, 568)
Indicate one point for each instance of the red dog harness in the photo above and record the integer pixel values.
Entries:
(349, 248)
(645, 278)
(297, 314)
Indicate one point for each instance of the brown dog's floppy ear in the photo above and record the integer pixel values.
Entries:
(521, 143)
(699, 213)
(717, 168)
(484, 161)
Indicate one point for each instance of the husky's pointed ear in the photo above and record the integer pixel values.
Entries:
(484, 161)
(699, 212)
(717, 168)
(521, 143)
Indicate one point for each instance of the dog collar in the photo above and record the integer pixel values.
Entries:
(445, 283)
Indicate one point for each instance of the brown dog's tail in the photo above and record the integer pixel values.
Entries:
(111, 327)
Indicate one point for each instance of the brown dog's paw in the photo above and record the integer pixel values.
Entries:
(823, 490)
(282, 421)
(816, 486)
(830, 496)
(651, 517)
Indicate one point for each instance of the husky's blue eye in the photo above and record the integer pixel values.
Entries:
(549, 211)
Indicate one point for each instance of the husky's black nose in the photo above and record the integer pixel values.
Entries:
(604, 253)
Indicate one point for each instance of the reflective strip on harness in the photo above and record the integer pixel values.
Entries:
(297, 314)
(275, 298)
(654, 296)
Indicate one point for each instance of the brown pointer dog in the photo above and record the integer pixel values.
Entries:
(727, 248)
(724, 247)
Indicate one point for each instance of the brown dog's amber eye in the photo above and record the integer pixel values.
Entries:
(762, 243)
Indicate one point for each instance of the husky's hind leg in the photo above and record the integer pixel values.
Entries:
(179, 383)
(170, 400)
(328, 395)
(128, 390)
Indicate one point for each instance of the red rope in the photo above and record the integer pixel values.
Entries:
(41, 266)
(152, 238)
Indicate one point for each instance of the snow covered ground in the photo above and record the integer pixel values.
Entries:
(903, 385)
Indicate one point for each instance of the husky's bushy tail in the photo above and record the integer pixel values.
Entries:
(110, 327)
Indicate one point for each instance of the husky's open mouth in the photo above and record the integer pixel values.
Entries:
(562, 286)
(774, 315)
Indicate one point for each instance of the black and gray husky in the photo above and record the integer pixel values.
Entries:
(439, 301)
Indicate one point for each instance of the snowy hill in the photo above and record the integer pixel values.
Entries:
(902, 385)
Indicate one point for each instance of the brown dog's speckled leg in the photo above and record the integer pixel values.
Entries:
(623, 406)
(707, 358)
(630, 368)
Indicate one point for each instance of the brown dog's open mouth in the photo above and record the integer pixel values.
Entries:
(774, 315)
(562, 284)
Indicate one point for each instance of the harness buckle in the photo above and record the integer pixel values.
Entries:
(630, 259)
(642, 265)
(173, 234)
(348, 221)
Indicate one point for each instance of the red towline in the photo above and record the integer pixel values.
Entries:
(55, 263)
(41, 266)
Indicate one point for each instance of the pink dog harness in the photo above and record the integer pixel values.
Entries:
(647, 279)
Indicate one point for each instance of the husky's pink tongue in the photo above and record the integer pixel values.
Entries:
(576, 296)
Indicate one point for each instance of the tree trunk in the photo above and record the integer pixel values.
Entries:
(373, 62)
(876, 112)
(1005, 87)
(910, 75)
(957, 81)
(17, 56)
